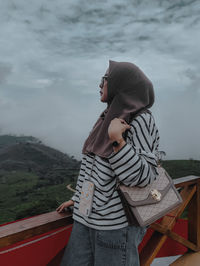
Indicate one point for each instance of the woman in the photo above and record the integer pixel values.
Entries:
(122, 144)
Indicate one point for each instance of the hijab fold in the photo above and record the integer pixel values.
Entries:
(130, 93)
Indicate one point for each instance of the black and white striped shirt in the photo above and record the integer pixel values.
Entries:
(135, 164)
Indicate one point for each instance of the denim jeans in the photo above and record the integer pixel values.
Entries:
(91, 247)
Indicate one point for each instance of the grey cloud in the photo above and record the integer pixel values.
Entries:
(58, 51)
(5, 71)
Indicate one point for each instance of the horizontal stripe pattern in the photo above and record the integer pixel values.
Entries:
(135, 164)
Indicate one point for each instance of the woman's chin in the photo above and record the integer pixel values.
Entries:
(103, 100)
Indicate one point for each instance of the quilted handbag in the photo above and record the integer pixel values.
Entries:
(145, 205)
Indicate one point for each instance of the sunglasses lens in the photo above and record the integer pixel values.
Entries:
(102, 81)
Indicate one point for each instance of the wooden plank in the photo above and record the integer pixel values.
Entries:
(157, 239)
(182, 240)
(21, 230)
(188, 259)
(174, 236)
(152, 247)
(185, 179)
(160, 228)
(194, 218)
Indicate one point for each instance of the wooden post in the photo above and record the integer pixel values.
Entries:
(194, 218)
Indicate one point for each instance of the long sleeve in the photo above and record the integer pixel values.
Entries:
(80, 179)
(135, 164)
(73, 197)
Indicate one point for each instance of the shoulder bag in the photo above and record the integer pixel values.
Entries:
(145, 205)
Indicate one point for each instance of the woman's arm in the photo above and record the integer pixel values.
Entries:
(79, 179)
(135, 163)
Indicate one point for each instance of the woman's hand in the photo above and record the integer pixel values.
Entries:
(64, 205)
(116, 128)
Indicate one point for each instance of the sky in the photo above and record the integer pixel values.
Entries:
(54, 52)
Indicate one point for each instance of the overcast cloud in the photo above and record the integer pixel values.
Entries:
(53, 54)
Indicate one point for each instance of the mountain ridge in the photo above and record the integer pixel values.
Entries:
(32, 155)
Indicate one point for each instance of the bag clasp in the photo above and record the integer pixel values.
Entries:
(155, 194)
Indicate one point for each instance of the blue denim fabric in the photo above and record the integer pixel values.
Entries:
(91, 247)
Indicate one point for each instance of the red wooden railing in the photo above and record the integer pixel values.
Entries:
(41, 240)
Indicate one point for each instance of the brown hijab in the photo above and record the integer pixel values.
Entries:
(130, 92)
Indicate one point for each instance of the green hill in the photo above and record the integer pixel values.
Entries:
(6, 140)
(180, 168)
(33, 177)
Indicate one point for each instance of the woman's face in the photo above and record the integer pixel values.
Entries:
(104, 87)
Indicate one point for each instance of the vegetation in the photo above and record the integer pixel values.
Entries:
(180, 168)
(33, 177)
(24, 194)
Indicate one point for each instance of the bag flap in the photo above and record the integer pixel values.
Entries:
(152, 193)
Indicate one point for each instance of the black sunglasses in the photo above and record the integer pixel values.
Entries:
(105, 77)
